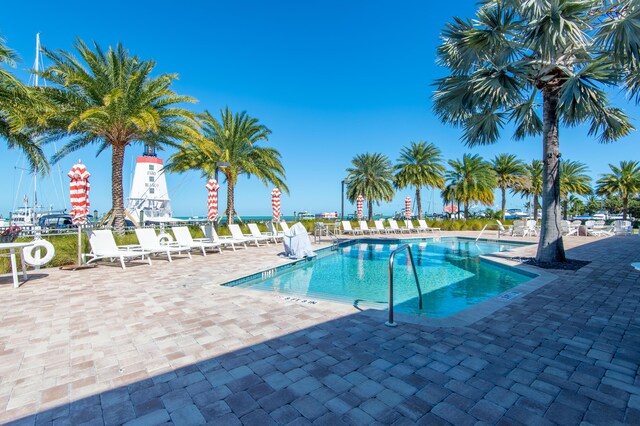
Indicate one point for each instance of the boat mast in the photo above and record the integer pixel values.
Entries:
(36, 67)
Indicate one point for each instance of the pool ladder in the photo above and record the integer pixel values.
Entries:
(391, 323)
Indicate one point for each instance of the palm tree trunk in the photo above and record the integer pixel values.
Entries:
(117, 193)
(550, 246)
(419, 202)
(370, 208)
(535, 207)
(230, 198)
(466, 210)
(565, 209)
(458, 212)
(625, 203)
(504, 201)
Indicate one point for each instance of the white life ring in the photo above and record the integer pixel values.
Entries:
(165, 238)
(27, 253)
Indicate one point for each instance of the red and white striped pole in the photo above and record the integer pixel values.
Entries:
(275, 204)
(407, 208)
(212, 200)
(359, 204)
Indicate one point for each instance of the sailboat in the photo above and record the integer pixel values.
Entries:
(29, 214)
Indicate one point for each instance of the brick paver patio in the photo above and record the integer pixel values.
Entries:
(167, 344)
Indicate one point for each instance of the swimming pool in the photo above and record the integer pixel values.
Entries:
(452, 275)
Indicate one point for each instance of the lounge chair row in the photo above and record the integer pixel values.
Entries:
(380, 228)
(103, 245)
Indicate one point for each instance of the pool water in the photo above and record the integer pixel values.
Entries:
(452, 275)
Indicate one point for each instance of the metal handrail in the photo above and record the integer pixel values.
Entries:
(390, 323)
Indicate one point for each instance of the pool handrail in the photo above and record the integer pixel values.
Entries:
(390, 323)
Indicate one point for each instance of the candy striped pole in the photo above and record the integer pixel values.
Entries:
(407, 207)
(275, 204)
(212, 200)
(359, 204)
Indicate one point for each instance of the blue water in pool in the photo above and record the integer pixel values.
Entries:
(451, 274)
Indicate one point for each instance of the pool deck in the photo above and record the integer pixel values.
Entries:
(168, 344)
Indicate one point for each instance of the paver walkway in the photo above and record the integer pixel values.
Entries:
(162, 344)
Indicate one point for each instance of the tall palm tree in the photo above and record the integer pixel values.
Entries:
(510, 174)
(371, 176)
(233, 139)
(111, 100)
(532, 185)
(623, 181)
(419, 165)
(573, 180)
(474, 181)
(15, 101)
(514, 54)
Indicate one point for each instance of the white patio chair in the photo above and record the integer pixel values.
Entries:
(408, 224)
(149, 242)
(225, 241)
(567, 228)
(364, 227)
(257, 234)
(424, 227)
(394, 226)
(380, 227)
(532, 227)
(236, 233)
(622, 227)
(519, 228)
(347, 229)
(184, 238)
(103, 246)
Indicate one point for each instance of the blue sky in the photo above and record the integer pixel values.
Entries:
(331, 79)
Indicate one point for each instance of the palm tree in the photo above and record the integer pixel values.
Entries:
(371, 176)
(110, 99)
(234, 139)
(474, 181)
(623, 181)
(531, 186)
(573, 180)
(592, 204)
(420, 164)
(15, 100)
(510, 174)
(514, 54)
(575, 205)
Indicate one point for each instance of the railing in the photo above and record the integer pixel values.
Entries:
(498, 226)
(391, 323)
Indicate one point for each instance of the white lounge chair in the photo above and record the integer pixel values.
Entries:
(285, 227)
(103, 246)
(519, 228)
(347, 229)
(364, 227)
(380, 227)
(184, 238)
(408, 224)
(257, 234)
(424, 227)
(211, 235)
(275, 234)
(149, 242)
(236, 233)
(394, 226)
